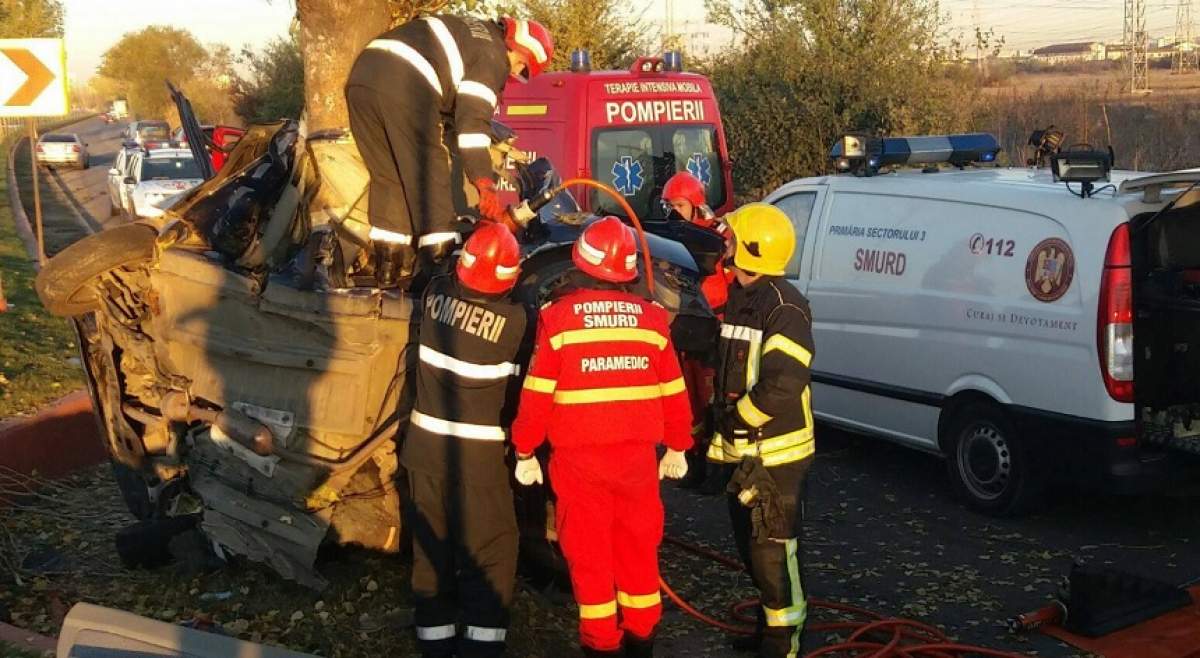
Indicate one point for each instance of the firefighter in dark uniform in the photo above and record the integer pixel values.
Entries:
(405, 88)
(765, 422)
(460, 502)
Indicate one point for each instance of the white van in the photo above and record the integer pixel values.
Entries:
(995, 317)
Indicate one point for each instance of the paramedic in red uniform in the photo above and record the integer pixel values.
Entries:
(604, 387)
(460, 503)
(685, 198)
(405, 89)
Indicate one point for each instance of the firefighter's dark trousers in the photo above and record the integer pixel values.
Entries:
(464, 564)
(398, 129)
(775, 565)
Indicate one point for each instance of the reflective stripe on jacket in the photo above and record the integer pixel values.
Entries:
(603, 371)
(764, 361)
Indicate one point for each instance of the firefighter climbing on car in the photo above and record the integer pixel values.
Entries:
(460, 502)
(765, 421)
(603, 353)
(418, 95)
(685, 198)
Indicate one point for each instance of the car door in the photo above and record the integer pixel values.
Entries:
(802, 204)
(114, 178)
(132, 169)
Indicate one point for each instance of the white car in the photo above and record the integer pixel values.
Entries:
(116, 177)
(62, 149)
(995, 317)
(156, 178)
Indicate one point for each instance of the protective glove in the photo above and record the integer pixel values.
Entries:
(489, 203)
(673, 465)
(529, 471)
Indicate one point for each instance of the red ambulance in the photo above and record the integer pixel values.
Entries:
(630, 129)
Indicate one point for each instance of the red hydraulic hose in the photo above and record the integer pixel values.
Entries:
(871, 634)
(637, 223)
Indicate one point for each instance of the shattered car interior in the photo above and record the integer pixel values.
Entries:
(249, 377)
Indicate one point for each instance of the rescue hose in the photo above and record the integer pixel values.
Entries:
(637, 223)
(871, 634)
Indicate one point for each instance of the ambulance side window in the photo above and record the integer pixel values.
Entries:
(624, 159)
(694, 149)
(798, 207)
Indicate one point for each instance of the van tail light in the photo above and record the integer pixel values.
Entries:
(1114, 323)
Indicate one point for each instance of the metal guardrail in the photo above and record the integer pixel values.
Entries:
(16, 126)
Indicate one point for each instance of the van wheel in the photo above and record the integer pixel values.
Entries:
(990, 466)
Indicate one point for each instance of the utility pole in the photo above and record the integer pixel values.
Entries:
(669, 37)
(1135, 40)
(1184, 47)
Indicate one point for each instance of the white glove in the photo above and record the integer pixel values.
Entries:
(673, 465)
(529, 471)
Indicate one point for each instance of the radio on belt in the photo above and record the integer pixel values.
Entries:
(864, 155)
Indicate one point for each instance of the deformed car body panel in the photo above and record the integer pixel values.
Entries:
(310, 377)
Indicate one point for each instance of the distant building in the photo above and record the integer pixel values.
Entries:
(1066, 53)
(699, 39)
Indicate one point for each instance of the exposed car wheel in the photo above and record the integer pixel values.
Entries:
(991, 467)
(134, 490)
(66, 284)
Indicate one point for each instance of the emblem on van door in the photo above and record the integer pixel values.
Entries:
(1049, 270)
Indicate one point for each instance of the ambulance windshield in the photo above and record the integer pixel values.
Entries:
(637, 161)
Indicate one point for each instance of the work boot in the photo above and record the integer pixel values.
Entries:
(393, 264)
(598, 653)
(636, 647)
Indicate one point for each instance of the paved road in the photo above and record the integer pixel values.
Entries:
(74, 202)
(885, 532)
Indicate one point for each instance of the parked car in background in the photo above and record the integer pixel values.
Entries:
(62, 149)
(148, 134)
(156, 177)
(116, 178)
(221, 140)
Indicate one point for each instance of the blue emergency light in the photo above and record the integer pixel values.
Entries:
(581, 61)
(866, 155)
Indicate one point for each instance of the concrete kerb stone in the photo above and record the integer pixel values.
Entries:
(20, 219)
(27, 640)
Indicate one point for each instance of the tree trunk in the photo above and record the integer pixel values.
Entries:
(332, 33)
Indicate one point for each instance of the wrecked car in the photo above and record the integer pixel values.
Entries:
(249, 378)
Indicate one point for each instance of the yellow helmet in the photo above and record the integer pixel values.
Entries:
(764, 238)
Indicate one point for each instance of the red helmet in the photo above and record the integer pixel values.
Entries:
(607, 251)
(685, 186)
(491, 259)
(531, 39)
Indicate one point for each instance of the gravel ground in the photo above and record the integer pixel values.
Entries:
(883, 533)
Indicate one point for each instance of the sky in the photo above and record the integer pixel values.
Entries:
(92, 26)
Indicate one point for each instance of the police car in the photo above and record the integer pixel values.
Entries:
(1022, 322)
(156, 178)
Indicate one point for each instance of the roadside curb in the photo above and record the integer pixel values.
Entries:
(28, 640)
(20, 219)
(59, 439)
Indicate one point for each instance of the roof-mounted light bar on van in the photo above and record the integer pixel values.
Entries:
(864, 156)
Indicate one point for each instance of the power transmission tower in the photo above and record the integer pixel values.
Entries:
(1135, 40)
(1185, 58)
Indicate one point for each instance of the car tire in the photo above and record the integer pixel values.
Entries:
(993, 469)
(134, 490)
(65, 283)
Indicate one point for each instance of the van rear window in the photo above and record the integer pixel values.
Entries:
(639, 161)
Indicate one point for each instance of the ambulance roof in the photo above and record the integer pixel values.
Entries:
(1021, 188)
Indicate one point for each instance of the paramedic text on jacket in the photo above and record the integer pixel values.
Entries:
(604, 387)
